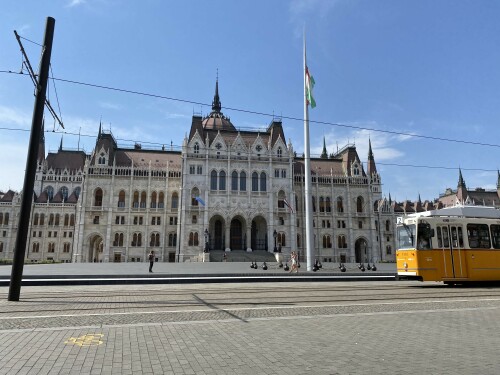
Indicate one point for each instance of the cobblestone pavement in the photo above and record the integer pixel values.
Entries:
(285, 328)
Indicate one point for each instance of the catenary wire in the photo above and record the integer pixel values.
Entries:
(267, 114)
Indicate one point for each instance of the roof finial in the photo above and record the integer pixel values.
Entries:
(60, 145)
(324, 154)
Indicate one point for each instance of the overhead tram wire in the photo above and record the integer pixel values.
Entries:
(131, 141)
(157, 96)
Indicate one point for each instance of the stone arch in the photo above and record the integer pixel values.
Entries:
(259, 233)
(216, 233)
(95, 248)
(237, 233)
(361, 250)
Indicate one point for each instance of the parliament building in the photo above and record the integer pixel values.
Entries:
(227, 189)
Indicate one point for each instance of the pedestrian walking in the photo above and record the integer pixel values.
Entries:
(225, 257)
(294, 261)
(151, 260)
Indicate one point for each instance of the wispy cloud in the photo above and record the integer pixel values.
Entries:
(14, 117)
(74, 3)
(108, 105)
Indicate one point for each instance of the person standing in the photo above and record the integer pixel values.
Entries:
(294, 261)
(151, 260)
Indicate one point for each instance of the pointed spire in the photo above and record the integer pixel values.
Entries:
(324, 154)
(461, 182)
(216, 104)
(370, 152)
(100, 128)
(390, 200)
(60, 144)
(372, 168)
(419, 200)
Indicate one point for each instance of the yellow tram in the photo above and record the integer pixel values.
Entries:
(455, 245)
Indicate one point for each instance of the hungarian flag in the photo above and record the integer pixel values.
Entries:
(288, 205)
(309, 88)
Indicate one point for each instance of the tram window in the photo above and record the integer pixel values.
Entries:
(495, 235)
(460, 237)
(446, 239)
(424, 236)
(440, 239)
(479, 236)
(406, 235)
(454, 238)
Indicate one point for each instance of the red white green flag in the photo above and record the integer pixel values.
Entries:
(309, 88)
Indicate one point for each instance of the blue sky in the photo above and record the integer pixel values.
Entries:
(421, 67)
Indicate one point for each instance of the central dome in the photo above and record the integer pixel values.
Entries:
(216, 119)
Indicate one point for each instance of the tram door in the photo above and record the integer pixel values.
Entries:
(450, 240)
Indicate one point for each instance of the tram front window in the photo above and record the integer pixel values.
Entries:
(424, 235)
(406, 236)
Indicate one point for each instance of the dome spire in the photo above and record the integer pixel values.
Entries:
(216, 104)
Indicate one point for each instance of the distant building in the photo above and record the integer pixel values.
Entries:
(226, 189)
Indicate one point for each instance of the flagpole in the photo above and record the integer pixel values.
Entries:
(308, 188)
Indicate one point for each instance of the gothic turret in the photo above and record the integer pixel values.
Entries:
(372, 168)
(461, 188)
(216, 119)
(324, 154)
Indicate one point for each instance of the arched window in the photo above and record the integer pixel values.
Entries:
(50, 192)
(155, 240)
(191, 239)
(213, 180)
(299, 240)
(321, 204)
(35, 247)
(388, 250)
(314, 203)
(6, 219)
(135, 203)
(234, 181)
(195, 193)
(98, 197)
(328, 206)
(35, 219)
(57, 220)
(118, 239)
(387, 225)
(51, 219)
(281, 199)
(342, 244)
(281, 239)
(175, 200)
(77, 191)
(172, 239)
(42, 219)
(66, 220)
(243, 181)
(263, 182)
(255, 181)
(161, 200)
(72, 220)
(327, 242)
(196, 148)
(296, 203)
(143, 200)
(222, 180)
(279, 151)
(359, 204)
(121, 198)
(340, 204)
(64, 193)
(66, 247)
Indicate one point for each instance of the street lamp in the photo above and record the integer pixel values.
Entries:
(205, 250)
(275, 235)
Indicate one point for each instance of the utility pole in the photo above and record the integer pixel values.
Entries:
(31, 162)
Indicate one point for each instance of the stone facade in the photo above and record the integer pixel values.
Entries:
(226, 189)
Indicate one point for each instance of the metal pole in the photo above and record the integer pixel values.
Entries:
(31, 162)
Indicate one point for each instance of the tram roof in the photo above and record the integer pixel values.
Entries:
(462, 211)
